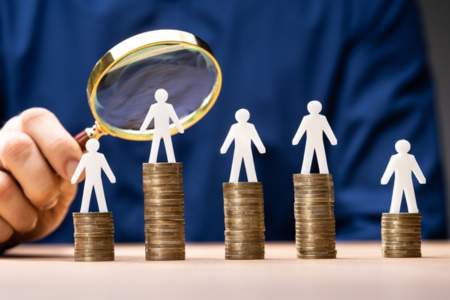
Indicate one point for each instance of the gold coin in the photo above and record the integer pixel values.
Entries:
(163, 166)
(241, 185)
(404, 254)
(244, 256)
(243, 233)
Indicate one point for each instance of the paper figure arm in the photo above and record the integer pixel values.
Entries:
(300, 132)
(78, 170)
(228, 140)
(148, 118)
(329, 132)
(257, 140)
(417, 171)
(388, 172)
(174, 117)
(105, 166)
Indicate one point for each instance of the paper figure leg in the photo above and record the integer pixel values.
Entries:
(169, 148)
(322, 159)
(235, 168)
(307, 159)
(249, 165)
(154, 149)
(396, 201)
(87, 192)
(100, 195)
(411, 199)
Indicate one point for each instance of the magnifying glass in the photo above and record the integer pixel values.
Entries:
(122, 84)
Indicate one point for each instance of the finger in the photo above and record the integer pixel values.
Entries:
(12, 124)
(58, 146)
(6, 231)
(22, 158)
(49, 220)
(67, 195)
(14, 207)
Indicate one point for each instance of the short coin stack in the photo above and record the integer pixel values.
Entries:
(401, 234)
(164, 211)
(94, 236)
(244, 220)
(315, 233)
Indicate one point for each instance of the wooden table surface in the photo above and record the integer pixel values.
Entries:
(48, 272)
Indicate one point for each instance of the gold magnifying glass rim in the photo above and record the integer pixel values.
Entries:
(132, 45)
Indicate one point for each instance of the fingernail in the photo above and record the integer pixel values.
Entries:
(33, 226)
(70, 168)
(51, 205)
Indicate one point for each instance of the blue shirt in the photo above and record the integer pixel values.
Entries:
(365, 61)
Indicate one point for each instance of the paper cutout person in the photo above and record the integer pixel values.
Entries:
(243, 134)
(314, 124)
(93, 162)
(161, 112)
(403, 165)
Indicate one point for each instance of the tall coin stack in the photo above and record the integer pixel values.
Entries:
(401, 235)
(244, 220)
(94, 236)
(164, 211)
(315, 233)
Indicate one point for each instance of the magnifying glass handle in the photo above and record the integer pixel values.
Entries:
(91, 132)
(82, 137)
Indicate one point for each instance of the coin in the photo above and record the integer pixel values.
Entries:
(246, 233)
(165, 253)
(244, 209)
(314, 216)
(93, 236)
(329, 255)
(401, 235)
(244, 220)
(163, 211)
(244, 256)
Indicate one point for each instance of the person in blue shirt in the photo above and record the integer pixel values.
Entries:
(365, 61)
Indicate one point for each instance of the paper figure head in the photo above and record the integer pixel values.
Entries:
(314, 107)
(92, 145)
(402, 146)
(242, 115)
(161, 95)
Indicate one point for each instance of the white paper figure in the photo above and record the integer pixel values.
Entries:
(243, 134)
(403, 165)
(314, 124)
(161, 112)
(92, 163)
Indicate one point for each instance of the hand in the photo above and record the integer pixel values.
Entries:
(422, 180)
(37, 159)
(181, 130)
(223, 150)
(262, 150)
(384, 181)
(294, 142)
(333, 142)
(113, 179)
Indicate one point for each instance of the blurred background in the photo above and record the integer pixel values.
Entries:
(436, 20)
(366, 61)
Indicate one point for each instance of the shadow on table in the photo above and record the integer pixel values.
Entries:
(34, 256)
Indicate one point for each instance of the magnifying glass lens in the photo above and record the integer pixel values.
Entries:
(126, 92)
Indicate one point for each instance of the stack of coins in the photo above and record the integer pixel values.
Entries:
(94, 236)
(401, 235)
(164, 211)
(244, 220)
(315, 233)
